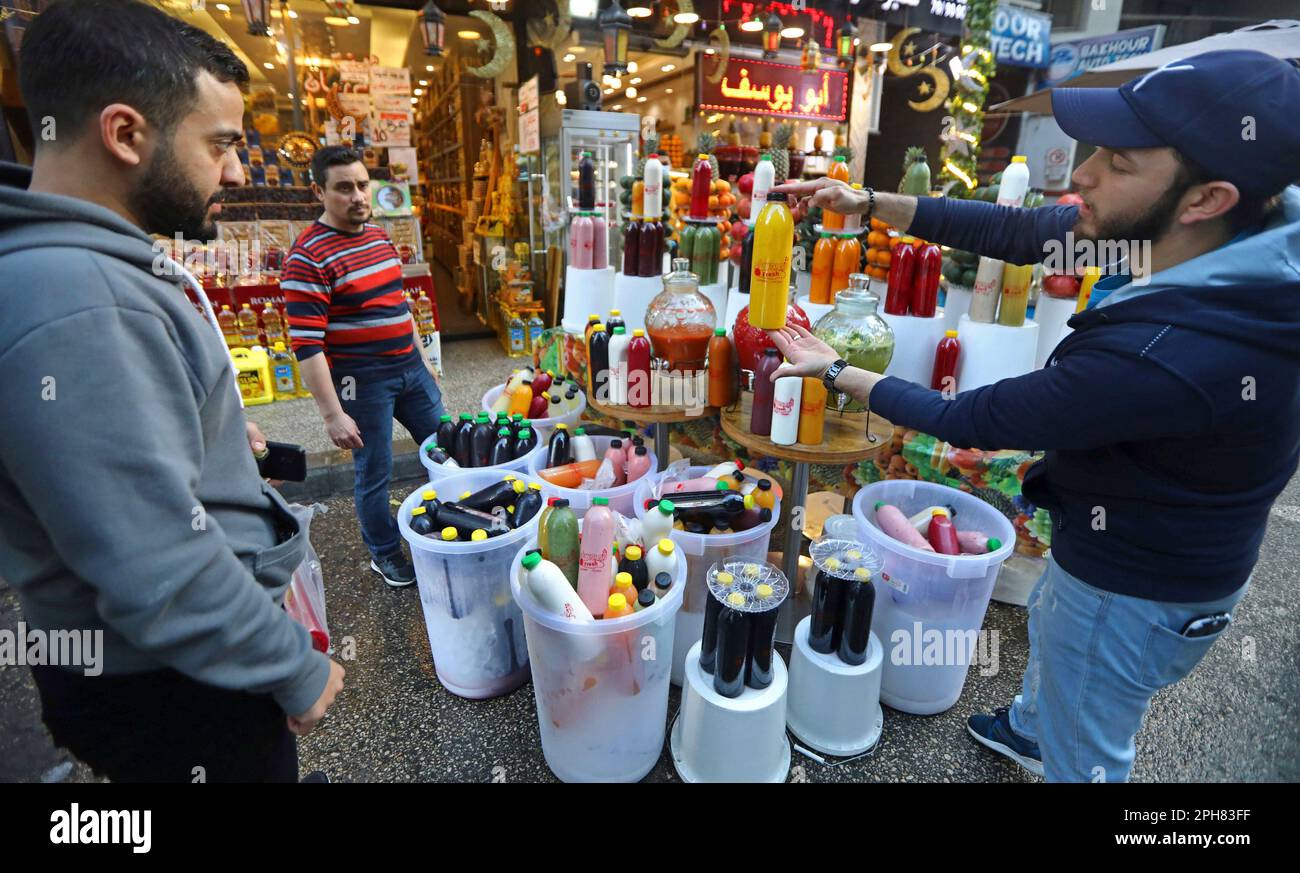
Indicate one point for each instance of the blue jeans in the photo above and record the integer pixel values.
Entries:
(413, 398)
(1095, 660)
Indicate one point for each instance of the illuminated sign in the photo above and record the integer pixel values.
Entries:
(823, 24)
(764, 88)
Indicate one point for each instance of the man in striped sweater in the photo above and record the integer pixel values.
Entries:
(342, 286)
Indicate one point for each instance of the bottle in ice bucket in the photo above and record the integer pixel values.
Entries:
(769, 284)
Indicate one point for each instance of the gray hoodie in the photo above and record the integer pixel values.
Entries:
(129, 499)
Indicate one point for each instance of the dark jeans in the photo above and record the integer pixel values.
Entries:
(413, 398)
(160, 726)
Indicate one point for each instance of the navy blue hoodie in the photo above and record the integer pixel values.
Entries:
(1170, 420)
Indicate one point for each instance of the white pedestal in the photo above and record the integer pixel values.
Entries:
(814, 310)
(632, 296)
(955, 305)
(834, 707)
(718, 296)
(725, 739)
(735, 302)
(585, 292)
(1051, 313)
(915, 340)
(802, 283)
(686, 635)
(992, 352)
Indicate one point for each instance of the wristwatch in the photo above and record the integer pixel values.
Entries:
(834, 370)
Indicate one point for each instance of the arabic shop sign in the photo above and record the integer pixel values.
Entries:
(1019, 37)
(937, 16)
(764, 88)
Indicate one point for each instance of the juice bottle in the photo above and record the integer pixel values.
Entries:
(1015, 294)
(521, 399)
(648, 261)
(446, 433)
(562, 541)
(701, 186)
(282, 373)
(652, 193)
(618, 343)
(546, 582)
(631, 254)
(481, 440)
(598, 364)
(623, 585)
(229, 326)
(764, 178)
(785, 410)
(582, 236)
(760, 419)
(902, 273)
(638, 463)
(638, 370)
(594, 555)
(558, 448)
(615, 321)
(617, 458)
(823, 260)
(599, 243)
(986, 291)
(503, 449)
(812, 412)
(746, 266)
(925, 287)
(1090, 277)
(424, 315)
(248, 328)
(583, 449)
(942, 535)
(839, 170)
(722, 370)
(848, 254)
(586, 182)
(686, 242)
(570, 475)
(859, 604)
(704, 255)
(769, 285)
(617, 606)
(638, 197)
(463, 450)
(1015, 183)
(945, 363)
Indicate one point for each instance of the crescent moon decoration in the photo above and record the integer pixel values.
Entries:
(674, 39)
(940, 82)
(505, 51)
(895, 58)
(724, 52)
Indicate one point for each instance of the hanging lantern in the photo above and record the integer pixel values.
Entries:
(498, 5)
(844, 45)
(433, 25)
(616, 26)
(811, 59)
(772, 28)
(256, 12)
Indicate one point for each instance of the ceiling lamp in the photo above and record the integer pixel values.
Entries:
(433, 26)
(686, 18)
(772, 28)
(615, 27)
(811, 59)
(639, 11)
(256, 11)
(751, 25)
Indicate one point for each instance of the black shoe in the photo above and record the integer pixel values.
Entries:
(994, 731)
(314, 777)
(394, 569)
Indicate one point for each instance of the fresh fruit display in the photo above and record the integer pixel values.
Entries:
(671, 144)
(781, 151)
(878, 249)
(959, 267)
(721, 203)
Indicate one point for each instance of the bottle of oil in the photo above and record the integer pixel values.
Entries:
(272, 325)
(229, 326)
(249, 330)
(284, 372)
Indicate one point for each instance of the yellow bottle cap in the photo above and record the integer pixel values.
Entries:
(725, 578)
(509, 477)
(478, 536)
(449, 533)
(633, 553)
(701, 157)
(561, 426)
(534, 486)
(1018, 159)
(665, 547)
(617, 603)
(938, 513)
(428, 494)
(950, 333)
(465, 494)
(520, 487)
(616, 312)
(735, 598)
(279, 346)
(511, 509)
(623, 579)
(638, 332)
(419, 510)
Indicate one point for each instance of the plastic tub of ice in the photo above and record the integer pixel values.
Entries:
(929, 607)
(702, 552)
(543, 426)
(601, 686)
(437, 472)
(620, 496)
(475, 629)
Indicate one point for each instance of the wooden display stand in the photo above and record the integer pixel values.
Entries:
(846, 439)
(659, 416)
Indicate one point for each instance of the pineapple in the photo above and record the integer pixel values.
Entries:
(733, 134)
(765, 135)
(704, 146)
(781, 151)
(916, 173)
(651, 147)
(844, 151)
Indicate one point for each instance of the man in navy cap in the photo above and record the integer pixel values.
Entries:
(1170, 415)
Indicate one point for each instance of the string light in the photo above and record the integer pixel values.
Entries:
(957, 171)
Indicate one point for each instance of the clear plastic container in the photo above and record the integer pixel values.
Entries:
(702, 552)
(855, 330)
(620, 496)
(929, 607)
(475, 629)
(541, 426)
(437, 472)
(601, 687)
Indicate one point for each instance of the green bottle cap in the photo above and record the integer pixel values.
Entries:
(839, 159)
(667, 507)
(620, 329)
(517, 417)
(504, 432)
(465, 416)
(525, 434)
(994, 544)
(719, 331)
(600, 501)
(445, 418)
(531, 560)
(879, 503)
(482, 418)
(721, 486)
(582, 431)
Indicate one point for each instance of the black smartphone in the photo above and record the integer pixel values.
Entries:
(1207, 625)
(283, 461)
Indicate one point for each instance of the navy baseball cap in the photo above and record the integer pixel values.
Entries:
(1232, 112)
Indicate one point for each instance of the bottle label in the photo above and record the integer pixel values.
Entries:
(785, 407)
(771, 271)
(517, 339)
(284, 378)
(599, 561)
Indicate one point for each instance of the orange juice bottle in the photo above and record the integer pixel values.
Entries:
(848, 254)
(823, 258)
(839, 170)
(769, 283)
(617, 607)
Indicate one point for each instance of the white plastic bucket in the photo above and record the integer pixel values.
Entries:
(601, 687)
(475, 629)
(542, 426)
(702, 552)
(929, 607)
(437, 472)
(620, 496)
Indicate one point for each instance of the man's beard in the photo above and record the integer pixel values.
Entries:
(1151, 224)
(168, 203)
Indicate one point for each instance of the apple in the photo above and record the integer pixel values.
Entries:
(743, 207)
(739, 229)
(735, 253)
(1060, 285)
(1070, 199)
(746, 183)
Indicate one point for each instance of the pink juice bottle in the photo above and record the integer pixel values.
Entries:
(599, 243)
(638, 464)
(760, 419)
(638, 371)
(594, 556)
(616, 455)
(581, 248)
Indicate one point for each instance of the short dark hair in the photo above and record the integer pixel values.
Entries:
(78, 56)
(1251, 209)
(332, 156)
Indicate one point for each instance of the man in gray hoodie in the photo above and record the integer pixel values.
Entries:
(130, 503)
